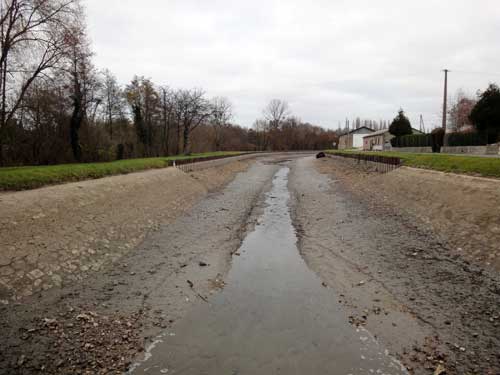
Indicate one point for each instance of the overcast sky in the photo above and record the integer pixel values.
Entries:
(330, 59)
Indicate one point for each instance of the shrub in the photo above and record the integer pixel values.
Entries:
(400, 125)
(437, 139)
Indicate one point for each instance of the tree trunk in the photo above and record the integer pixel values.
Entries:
(75, 125)
(167, 136)
(1, 152)
(177, 146)
(185, 140)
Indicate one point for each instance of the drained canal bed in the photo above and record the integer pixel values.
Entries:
(273, 317)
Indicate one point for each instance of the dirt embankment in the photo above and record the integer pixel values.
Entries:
(393, 271)
(463, 210)
(99, 324)
(58, 234)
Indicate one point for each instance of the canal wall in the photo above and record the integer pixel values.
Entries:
(62, 233)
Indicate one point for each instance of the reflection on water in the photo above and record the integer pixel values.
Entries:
(273, 317)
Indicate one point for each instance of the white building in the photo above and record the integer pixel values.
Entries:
(354, 138)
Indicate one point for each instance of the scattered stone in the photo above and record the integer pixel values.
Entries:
(21, 360)
(83, 317)
(35, 274)
(49, 322)
(440, 370)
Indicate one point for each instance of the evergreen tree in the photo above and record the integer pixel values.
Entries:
(400, 125)
(486, 114)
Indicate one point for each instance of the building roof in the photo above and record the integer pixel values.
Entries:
(358, 129)
(378, 132)
(383, 131)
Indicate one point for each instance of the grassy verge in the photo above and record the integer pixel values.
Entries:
(472, 165)
(31, 177)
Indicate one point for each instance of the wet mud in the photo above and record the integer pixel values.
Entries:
(273, 317)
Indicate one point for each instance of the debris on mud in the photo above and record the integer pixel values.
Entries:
(440, 370)
(74, 342)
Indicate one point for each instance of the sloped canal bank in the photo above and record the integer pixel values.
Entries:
(273, 317)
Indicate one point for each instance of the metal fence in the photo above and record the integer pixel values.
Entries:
(380, 163)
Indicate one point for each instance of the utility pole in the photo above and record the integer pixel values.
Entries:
(422, 125)
(445, 99)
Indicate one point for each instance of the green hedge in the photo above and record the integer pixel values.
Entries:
(413, 140)
(466, 139)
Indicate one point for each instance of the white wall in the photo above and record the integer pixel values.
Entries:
(357, 140)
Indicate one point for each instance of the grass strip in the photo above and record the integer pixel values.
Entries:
(462, 164)
(31, 177)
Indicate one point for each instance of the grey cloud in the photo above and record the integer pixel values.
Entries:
(329, 59)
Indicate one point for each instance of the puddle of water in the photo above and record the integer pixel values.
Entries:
(273, 317)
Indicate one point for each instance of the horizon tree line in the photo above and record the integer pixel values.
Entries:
(56, 106)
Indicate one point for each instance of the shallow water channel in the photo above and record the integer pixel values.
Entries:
(273, 317)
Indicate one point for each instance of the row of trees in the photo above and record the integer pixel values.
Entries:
(43, 44)
(279, 130)
(56, 106)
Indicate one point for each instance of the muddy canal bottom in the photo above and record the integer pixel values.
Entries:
(273, 317)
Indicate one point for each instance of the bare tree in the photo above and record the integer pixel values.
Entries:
(275, 112)
(144, 101)
(222, 112)
(33, 37)
(167, 100)
(84, 85)
(113, 100)
(461, 108)
(193, 109)
(261, 129)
